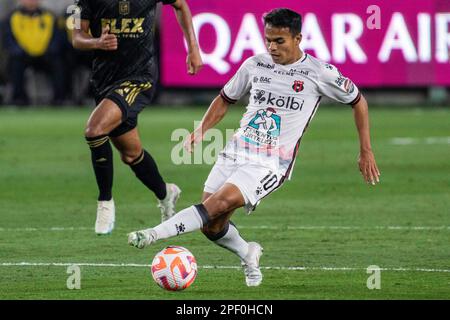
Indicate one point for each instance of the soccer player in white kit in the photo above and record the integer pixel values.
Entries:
(285, 86)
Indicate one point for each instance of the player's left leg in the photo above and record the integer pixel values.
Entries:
(132, 99)
(223, 232)
(255, 181)
(145, 168)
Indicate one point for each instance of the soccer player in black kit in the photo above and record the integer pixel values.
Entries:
(122, 33)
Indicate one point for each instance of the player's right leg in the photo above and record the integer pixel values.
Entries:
(103, 120)
(225, 200)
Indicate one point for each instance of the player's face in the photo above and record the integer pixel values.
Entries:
(282, 45)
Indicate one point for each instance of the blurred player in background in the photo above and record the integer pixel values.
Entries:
(77, 63)
(285, 87)
(124, 77)
(31, 38)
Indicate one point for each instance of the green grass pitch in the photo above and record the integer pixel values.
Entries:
(320, 231)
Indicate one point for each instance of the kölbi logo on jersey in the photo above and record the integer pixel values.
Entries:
(291, 103)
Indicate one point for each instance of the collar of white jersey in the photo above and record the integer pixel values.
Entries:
(301, 60)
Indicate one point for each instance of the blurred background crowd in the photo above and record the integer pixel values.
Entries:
(37, 62)
(38, 65)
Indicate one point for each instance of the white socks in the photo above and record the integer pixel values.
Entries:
(233, 241)
(192, 219)
(187, 220)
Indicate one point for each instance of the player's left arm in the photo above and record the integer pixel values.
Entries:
(184, 17)
(336, 86)
(366, 160)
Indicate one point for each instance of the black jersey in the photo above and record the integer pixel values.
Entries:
(133, 22)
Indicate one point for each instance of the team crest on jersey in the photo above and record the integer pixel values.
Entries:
(298, 85)
(124, 7)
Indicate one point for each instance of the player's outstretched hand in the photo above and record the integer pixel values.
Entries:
(107, 41)
(194, 62)
(192, 140)
(368, 167)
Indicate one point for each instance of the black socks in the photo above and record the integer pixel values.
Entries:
(102, 162)
(144, 167)
(146, 170)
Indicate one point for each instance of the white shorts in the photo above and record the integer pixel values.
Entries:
(254, 180)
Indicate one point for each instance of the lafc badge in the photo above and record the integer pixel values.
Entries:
(124, 7)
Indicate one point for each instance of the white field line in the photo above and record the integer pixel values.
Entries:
(403, 141)
(262, 227)
(137, 265)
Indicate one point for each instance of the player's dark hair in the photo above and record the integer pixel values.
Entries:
(284, 18)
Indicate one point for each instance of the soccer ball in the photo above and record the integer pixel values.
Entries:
(174, 268)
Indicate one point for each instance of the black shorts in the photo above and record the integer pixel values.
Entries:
(131, 97)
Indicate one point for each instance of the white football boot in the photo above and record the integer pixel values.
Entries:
(141, 239)
(253, 275)
(167, 205)
(106, 216)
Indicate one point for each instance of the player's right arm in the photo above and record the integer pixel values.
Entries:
(83, 40)
(238, 86)
(213, 116)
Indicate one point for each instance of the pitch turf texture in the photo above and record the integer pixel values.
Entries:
(320, 231)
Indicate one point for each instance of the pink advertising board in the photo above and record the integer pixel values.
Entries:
(383, 43)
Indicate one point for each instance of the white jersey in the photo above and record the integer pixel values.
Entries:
(283, 101)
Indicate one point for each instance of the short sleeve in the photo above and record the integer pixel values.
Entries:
(337, 87)
(167, 1)
(85, 7)
(238, 85)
